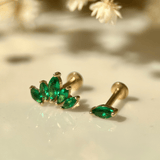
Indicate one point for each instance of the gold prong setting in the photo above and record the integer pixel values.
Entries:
(43, 81)
(46, 100)
(61, 104)
(57, 74)
(31, 87)
(114, 113)
(77, 103)
(42, 91)
(51, 101)
(42, 102)
(92, 110)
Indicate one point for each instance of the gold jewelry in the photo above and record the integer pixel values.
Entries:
(55, 92)
(120, 91)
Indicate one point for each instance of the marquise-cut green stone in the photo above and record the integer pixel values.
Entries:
(44, 91)
(62, 95)
(54, 87)
(102, 112)
(36, 95)
(70, 102)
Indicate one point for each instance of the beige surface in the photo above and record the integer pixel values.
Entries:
(103, 54)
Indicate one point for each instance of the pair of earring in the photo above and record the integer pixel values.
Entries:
(56, 92)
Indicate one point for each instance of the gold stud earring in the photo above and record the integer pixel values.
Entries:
(120, 91)
(56, 92)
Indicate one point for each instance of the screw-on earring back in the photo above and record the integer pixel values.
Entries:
(74, 80)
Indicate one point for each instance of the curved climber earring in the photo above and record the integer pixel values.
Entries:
(120, 91)
(56, 92)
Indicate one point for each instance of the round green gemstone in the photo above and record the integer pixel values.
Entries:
(54, 87)
(103, 112)
(36, 95)
(62, 95)
(44, 90)
(70, 102)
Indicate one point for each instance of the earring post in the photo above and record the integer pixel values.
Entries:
(74, 80)
(114, 97)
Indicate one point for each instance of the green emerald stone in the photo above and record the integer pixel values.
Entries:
(70, 102)
(102, 112)
(44, 91)
(36, 95)
(62, 95)
(54, 87)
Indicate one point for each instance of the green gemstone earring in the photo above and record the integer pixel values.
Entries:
(56, 92)
(120, 91)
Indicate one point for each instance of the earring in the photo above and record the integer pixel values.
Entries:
(120, 91)
(55, 92)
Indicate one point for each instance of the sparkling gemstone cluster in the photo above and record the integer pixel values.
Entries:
(53, 92)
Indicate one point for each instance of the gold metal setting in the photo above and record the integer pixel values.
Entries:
(120, 91)
(77, 103)
(74, 82)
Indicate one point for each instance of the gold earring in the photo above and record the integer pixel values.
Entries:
(56, 92)
(120, 91)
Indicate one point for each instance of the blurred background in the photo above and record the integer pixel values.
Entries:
(53, 17)
(131, 4)
(38, 38)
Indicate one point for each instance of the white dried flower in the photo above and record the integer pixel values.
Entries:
(24, 11)
(72, 5)
(107, 11)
